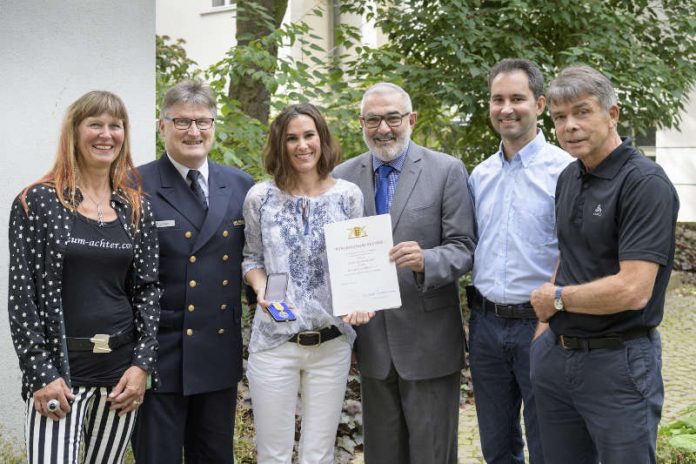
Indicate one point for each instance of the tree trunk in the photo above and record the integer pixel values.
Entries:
(252, 93)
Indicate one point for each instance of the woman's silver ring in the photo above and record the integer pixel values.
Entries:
(52, 405)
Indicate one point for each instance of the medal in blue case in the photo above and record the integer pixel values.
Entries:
(276, 288)
(281, 312)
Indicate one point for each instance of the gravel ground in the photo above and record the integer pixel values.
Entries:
(678, 332)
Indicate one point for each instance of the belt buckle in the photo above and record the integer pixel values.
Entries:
(309, 333)
(101, 343)
(499, 307)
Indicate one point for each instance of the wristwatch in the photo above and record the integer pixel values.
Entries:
(558, 301)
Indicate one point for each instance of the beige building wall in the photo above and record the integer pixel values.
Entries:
(210, 31)
(322, 26)
(51, 53)
(676, 153)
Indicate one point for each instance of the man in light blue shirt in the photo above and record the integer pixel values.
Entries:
(513, 192)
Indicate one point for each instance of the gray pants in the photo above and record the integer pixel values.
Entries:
(598, 405)
(410, 421)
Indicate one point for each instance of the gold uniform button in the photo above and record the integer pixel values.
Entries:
(192, 283)
(225, 233)
(221, 331)
(223, 306)
(189, 332)
(225, 282)
(188, 234)
(225, 257)
(192, 259)
(191, 308)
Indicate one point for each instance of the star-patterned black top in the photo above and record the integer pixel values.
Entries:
(38, 240)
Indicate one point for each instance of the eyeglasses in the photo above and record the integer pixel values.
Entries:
(393, 120)
(185, 123)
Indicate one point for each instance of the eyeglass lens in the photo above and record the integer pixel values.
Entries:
(185, 123)
(392, 120)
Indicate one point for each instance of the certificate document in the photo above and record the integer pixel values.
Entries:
(362, 277)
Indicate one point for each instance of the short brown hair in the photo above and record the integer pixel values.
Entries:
(275, 156)
(535, 79)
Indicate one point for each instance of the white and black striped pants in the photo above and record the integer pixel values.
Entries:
(105, 435)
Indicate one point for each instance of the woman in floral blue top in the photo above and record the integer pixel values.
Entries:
(284, 233)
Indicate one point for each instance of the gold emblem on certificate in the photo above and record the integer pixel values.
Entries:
(357, 232)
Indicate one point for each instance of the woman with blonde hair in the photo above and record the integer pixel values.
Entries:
(83, 290)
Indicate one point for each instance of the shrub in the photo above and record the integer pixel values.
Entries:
(676, 442)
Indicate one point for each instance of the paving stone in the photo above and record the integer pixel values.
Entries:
(678, 335)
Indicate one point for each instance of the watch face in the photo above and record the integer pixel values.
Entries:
(558, 304)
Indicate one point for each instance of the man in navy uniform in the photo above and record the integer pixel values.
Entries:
(198, 208)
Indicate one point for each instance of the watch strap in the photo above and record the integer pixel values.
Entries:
(558, 301)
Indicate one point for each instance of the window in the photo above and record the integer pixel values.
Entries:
(218, 7)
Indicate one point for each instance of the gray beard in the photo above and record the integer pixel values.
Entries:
(388, 154)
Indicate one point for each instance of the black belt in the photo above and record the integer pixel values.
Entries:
(612, 341)
(100, 343)
(315, 337)
(507, 311)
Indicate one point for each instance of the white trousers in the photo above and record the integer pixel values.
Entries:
(319, 374)
(104, 433)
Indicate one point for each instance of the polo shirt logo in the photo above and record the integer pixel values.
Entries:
(597, 211)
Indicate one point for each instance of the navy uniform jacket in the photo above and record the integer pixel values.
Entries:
(200, 275)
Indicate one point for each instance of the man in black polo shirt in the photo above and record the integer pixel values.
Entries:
(596, 373)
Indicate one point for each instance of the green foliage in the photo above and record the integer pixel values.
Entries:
(442, 51)
(677, 441)
(326, 78)
(442, 58)
(9, 451)
(239, 137)
(685, 247)
(244, 445)
(316, 78)
(172, 65)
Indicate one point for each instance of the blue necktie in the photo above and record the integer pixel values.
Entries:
(382, 193)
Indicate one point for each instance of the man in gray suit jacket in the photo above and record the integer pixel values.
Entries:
(410, 357)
